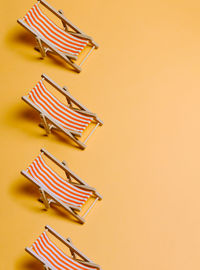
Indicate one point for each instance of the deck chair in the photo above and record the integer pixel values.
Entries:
(70, 193)
(71, 118)
(53, 258)
(67, 43)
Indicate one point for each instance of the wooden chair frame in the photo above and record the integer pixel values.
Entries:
(48, 122)
(47, 197)
(44, 45)
(73, 250)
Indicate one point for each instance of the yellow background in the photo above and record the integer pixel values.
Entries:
(144, 84)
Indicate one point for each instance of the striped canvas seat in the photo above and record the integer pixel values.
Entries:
(54, 257)
(60, 188)
(56, 36)
(62, 114)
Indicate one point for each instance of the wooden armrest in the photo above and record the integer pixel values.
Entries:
(64, 167)
(64, 92)
(86, 37)
(60, 16)
(81, 184)
(70, 99)
(84, 187)
(85, 112)
(55, 160)
(88, 113)
(80, 35)
(67, 243)
(65, 21)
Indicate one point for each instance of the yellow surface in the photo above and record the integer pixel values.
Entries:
(143, 82)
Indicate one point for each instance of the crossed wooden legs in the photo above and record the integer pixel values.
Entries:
(44, 50)
(48, 201)
(48, 125)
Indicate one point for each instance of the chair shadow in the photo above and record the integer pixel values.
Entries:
(18, 36)
(28, 264)
(28, 114)
(20, 189)
(17, 115)
(21, 37)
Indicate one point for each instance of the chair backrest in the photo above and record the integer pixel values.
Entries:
(63, 115)
(63, 41)
(48, 179)
(55, 257)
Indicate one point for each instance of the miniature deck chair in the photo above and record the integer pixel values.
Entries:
(70, 193)
(71, 118)
(53, 258)
(67, 43)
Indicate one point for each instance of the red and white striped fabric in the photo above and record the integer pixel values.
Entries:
(60, 39)
(61, 113)
(50, 180)
(54, 257)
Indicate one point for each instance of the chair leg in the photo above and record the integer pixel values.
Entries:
(71, 251)
(76, 67)
(44, 199)
(45, 124)
(37, 48)
(43, 52)
(63, 56)
(79, 218)
(79, 143)
(64, 24)
(40, 47)
(41, 124)
(69, 61)
(48, 127)
(49, 200)
(66, 173)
